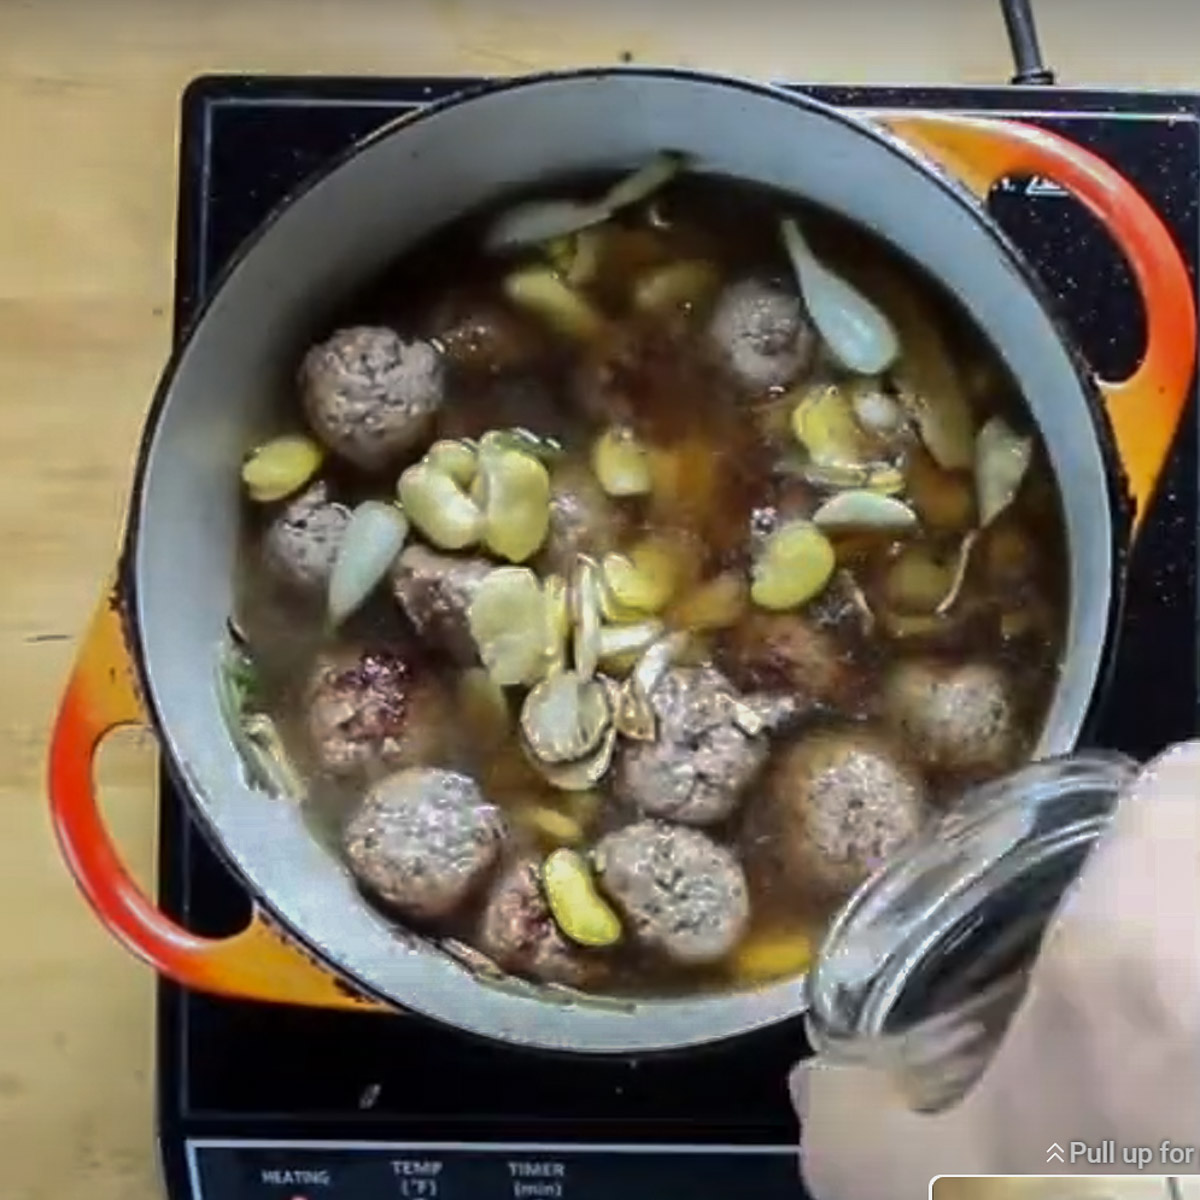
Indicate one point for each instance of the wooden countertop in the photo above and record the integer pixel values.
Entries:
(88, 103)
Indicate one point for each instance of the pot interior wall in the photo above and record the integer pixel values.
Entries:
(398, 188)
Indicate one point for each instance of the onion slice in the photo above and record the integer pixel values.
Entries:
(858, 334)
(536, 221)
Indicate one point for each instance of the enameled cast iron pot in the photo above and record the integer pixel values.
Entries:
(149, 657)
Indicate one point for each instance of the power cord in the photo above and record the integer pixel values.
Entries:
(1023, 38)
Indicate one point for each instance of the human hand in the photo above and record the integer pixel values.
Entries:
(1104, 1046)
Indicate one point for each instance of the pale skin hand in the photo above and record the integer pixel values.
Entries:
(1106, 1044)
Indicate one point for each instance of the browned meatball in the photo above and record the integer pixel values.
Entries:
(711, 744)
(480, 336)
(838, 802)
(684, 895)
(301, 543)
(370, 396)
(435, 591)
(373, 707)
(423, 841)
(762, 334)
(953, 716)
(518, 933)
(788, 652)
(583, 520)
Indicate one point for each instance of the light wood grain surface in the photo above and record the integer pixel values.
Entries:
(88, 107)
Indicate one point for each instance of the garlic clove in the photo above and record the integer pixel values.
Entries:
(373, 537)
(859, 334)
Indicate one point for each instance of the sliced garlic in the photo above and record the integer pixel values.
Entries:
(658, 659)
(876, 477)
(618, 641)
(439, 508)
(575, 903)
(280, 467)
(564, 717)
(374, 536)
(1002, 459)
(513, 489)
(633, 714)
(584, 773)
(796, 564)
(507, 619)
(621, 463)
(585, 617)
(556, 598)
(543, 293)
(865, 510)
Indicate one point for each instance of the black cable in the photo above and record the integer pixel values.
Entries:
(1023, 38)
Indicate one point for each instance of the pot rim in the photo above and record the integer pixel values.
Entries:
(775, 1002)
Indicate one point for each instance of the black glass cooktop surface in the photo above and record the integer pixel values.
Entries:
(258, 1101)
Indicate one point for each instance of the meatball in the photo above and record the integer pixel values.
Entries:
(789, 652)
(301, 543)
(423, 841)
(762, 334)
(837, 803)
(370, 396)
(373, 707)
(954, 716)
(481, 336)
(435, 591)
(583, 520)
(518, 933)
(711, 744)
(683, 895)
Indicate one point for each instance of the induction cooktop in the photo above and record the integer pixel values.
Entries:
(258, 1101)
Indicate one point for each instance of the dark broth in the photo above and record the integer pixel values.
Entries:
(728, 450)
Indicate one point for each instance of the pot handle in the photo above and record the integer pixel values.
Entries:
(1145, 409)
(257, 963)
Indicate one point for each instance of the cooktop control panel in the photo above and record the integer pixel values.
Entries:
(293, 1170)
